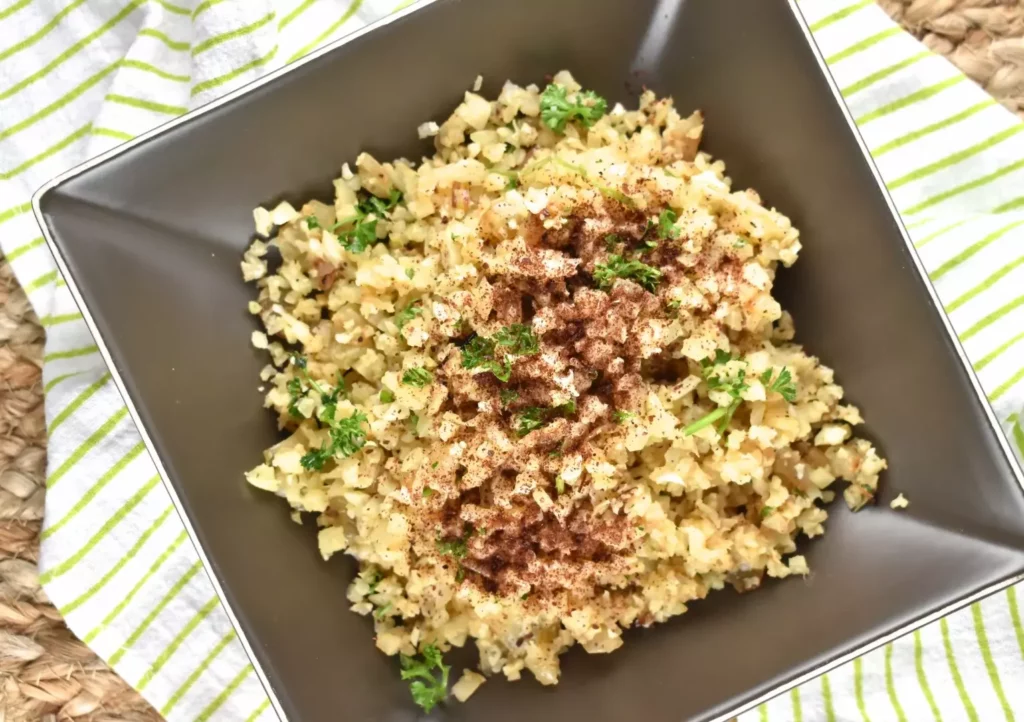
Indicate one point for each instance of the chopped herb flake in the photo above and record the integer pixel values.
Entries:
(428, 688)
(387, 395)
(418, 377)
(407, 314)
(646, 276)
(515, 340)
(621, 416)
(508, 396)
(783, 384)
(667, 227)
(556, 109)
(312, 222)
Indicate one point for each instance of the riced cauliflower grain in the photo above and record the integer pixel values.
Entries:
(537, 386)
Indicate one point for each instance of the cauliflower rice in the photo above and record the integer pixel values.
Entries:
(537, 384)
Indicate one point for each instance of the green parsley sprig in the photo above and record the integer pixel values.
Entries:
(534, 417)
(514, 340)
(428, 688)
(646, 276)
(418, 377)
(362, 232)
(734, 387)
(345, 436)
(621, 416)
(557, 108)
(783, 384)
(667, 227)
(407, 314)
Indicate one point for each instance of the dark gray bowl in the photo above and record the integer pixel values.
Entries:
(150, 236)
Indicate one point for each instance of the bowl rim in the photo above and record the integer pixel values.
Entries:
(1003, 443)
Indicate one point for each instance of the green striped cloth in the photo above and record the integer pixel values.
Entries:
(78, 76)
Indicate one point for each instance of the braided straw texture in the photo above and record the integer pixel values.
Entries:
(45, 673)
(984, 38)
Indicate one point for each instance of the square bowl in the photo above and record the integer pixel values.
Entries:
(149, 237)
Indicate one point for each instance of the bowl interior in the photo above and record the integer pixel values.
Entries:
(153, 238)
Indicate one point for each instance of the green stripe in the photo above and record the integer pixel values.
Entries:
(86, 446)
(84, 396)
(172, 44)
(41, 33)
(973, 249)
(1006, 385)
(111, 133)
(862, 45)
(915, 224)
(213, 83)
(22, 250)
(51, 320)
(40, 282)
(7, 12)
(826, 696)
(60, 102)
(1018, 436)
(763, 712)
(403, 5)
(922, 679)
(890, 684)
(187, 684)
(984, 285)
(51, 151)
(180, 637)
(72, 353)
(990, 665)
(327, 33)
(54, 381)
(839, 15)
(223, 696)
(957, 157)
(95, 489)
(299, 9)
(258, 711)
(155, 612)
(146, 104)
(858, 688)
(14, 212)
(204, 6)
(929, 238)
(130, 554)
(1011, 593)
(883, 73)
(921, 132)
(955, 671)
(992, 318)
(154, 567)
(73, 50)
(906, 101)
(96, 538)
(1009, 206)
(978, 183)
(153, 70)
(231, 35)
(170, 7)
(798, 710)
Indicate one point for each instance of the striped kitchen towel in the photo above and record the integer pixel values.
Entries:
(78, 76)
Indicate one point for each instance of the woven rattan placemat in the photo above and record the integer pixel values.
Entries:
(47, 674)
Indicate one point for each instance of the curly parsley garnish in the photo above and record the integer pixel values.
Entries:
(618, 267)
(407, 314)
(534, 417)
(734, 387)
(621, 416)
(556, 109)
(418, 377)
(667, 227)
(312, 222)
(428, 689)
(299, 386)
(783, 384)
(346, 438)
(363, 231)
(515, 340)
